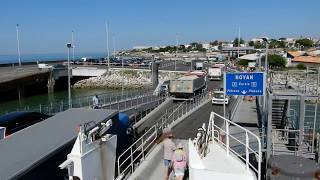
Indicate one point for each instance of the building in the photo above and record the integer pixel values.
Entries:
(233, 51)
(308, 58)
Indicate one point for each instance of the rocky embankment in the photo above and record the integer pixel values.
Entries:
(129, 79)
(297, 80)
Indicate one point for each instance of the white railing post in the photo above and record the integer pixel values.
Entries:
(227, 137)
(247, 151)
(40, 108)
(131, 157)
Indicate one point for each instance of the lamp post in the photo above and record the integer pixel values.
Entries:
(69, 45)
(18, 42)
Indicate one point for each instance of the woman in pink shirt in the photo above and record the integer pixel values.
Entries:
(179, 162)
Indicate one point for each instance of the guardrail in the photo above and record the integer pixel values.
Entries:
(104, 99)
(224, 137)
(136, 152)
(286, 141)
(128, 159)
(187, 106)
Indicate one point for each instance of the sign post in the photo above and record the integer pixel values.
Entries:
(244, 84)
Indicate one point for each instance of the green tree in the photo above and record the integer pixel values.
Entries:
(258, 45)
(214, 43)
(301, 66)
(276, 61)
(251, 43)
(235, 42)
(243, 62)
(304, 42)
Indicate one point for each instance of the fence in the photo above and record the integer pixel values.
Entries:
(244, 140)
(108, 98)
(136, 153)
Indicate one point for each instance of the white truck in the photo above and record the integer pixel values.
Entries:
(215, 73)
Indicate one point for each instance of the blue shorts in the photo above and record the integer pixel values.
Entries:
(166, 162)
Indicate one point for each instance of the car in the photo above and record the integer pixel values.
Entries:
(218, 98)
(16, 121)
(44, 66)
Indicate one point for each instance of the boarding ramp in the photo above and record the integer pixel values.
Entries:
(22, 151)
(130, 160)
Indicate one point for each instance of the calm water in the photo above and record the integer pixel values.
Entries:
(55, 98)
(45, 57)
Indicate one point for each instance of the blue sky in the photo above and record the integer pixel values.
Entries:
(45, 26)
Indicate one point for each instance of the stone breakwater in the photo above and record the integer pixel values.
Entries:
(128, 79)
(297, 80)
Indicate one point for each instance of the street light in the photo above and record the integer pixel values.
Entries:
(69, 45)
(18, 42)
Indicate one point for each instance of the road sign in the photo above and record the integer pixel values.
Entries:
(247, 84)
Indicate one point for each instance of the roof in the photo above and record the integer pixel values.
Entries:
(295, 53)
(250, 57)
(236, 48)
(22, 150)
(191, 77)
(314, 53)
(307, 59)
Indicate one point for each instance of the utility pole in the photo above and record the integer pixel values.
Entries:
(108, 55)
(69, 45)
(18, 42)
(239, 43)
(114, 46)
(175, 61)
(73, 46)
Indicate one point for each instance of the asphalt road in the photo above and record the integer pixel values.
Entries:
(189, 126)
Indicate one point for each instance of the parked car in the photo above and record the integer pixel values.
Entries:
(17, 121)
(44, 66)
(59, 66)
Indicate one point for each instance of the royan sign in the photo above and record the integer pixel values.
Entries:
(247, 84)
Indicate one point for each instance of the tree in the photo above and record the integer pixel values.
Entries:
(258, 45)
(243, 62)
(214, 43)
(301, 66)
(251, 43)
(276, 61)
(235, 42)
(304, 42)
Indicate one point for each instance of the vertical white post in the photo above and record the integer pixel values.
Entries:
(239, 43)
(72, 42)
(224, 95)
(108, 55)
(18, 42)
(227, 137)
(247, 151)
(175, 61)
(69, 88)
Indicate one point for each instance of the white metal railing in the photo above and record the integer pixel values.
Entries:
(225, 136)
(108, 99)
(185, 107)
(286, 141)
(129, 159)
(136, 152)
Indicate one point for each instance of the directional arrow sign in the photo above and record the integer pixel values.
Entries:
(249, 84)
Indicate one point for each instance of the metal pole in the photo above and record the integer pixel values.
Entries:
(175, 61)
(18, 41)
(72, 42)
(108, 55)
(69, 88)
(239, 43)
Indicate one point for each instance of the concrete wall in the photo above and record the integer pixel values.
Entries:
(88, 71)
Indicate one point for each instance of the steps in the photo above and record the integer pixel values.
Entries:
(279, 113)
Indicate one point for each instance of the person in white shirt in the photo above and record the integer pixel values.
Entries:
(95, 102)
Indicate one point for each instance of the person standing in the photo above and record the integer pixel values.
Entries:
(179, 162)
(169, 148)
(95, 102)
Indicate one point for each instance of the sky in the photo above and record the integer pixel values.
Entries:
(45, 26)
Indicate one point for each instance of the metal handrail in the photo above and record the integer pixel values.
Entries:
(229, 149)
(132, 151)
(156, 129)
